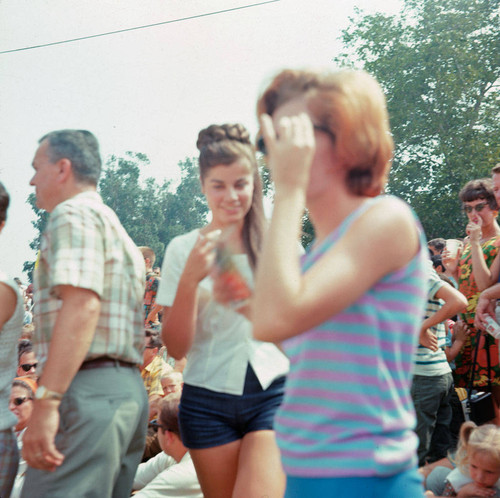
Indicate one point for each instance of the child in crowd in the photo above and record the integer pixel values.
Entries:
(478, 463)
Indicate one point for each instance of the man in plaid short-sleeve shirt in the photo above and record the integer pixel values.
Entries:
(87, 431)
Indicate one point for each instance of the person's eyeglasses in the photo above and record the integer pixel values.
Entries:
(19, 401)
(261, 145)
(478, 207)
(28, 366)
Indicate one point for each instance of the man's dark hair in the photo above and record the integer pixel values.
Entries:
(439, 244)
(437, 261)
(24, 346)
(4, 202)
(81, 148)
(155, 342)
(169, 414)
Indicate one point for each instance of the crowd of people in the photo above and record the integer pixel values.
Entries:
(245, 368)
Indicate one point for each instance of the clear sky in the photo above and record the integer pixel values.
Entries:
(147, 90)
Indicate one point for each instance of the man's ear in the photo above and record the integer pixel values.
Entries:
(65, 169)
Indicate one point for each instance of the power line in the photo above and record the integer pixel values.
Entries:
(138, 27)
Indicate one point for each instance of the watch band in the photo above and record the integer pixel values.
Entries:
(43, 393)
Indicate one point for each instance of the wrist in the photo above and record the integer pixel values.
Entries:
(45, 394)
(47, 404)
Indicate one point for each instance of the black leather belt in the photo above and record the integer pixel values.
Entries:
(106, 362)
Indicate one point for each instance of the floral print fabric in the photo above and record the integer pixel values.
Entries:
(468, 287)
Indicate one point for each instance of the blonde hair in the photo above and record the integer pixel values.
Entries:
(485, 439)
(147, 252)
(352, 106)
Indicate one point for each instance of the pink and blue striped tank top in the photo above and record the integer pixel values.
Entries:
(347, 409)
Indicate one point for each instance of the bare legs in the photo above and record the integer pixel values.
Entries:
(247, 468)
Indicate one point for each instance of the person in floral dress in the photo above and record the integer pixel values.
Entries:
(475, 273)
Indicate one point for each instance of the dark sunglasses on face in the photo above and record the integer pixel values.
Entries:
(28, 366)
(155, 425)
(261, 146)
(19, 401)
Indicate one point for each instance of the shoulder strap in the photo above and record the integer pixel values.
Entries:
(473, 368)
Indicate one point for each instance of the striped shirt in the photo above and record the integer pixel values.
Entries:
(85, 246)
(347, 410)
(9, 335)
(427, 362)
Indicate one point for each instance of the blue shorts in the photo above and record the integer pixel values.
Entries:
(407, 484)
(209, 418)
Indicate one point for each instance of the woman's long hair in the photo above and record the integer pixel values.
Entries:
(225, 144)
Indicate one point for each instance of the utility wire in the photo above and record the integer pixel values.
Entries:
(138, 27)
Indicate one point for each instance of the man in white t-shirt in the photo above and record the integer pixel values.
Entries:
(170, 473)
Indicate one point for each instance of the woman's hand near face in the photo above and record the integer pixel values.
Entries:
(473, 230)
(290, 149)
(200, 260)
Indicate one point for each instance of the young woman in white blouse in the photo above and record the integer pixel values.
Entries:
(233, 384)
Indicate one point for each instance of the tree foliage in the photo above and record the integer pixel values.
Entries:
(152, 213)
(439, 63)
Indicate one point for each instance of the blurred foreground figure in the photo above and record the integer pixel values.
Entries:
(11, 323)
(350, 311)
(87, 430)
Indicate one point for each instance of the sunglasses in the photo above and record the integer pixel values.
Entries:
(155, 425)
(261, 145)
(478, 207)
(28, 366)
(19, 401)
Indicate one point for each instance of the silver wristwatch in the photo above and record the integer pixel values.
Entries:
(43, 393)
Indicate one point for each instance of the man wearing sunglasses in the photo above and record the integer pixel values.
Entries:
(88, 426)
(170, 473)
(27, 360)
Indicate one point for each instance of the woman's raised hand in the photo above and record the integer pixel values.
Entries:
(201, 258)
(290, 149)
(474, 231)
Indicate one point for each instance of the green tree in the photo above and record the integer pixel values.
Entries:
(39, 223)
(439, 63)
(151, 213)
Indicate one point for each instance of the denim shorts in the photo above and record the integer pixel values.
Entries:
(209, 418)
(407, 484)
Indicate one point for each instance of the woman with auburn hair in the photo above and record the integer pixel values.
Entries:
(232, 383)
(349, 313)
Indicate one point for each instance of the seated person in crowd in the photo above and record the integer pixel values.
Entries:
(436, 246)
(151, 371)
(171, 472)
(171, 382)
(21, 405)
(27, 361)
